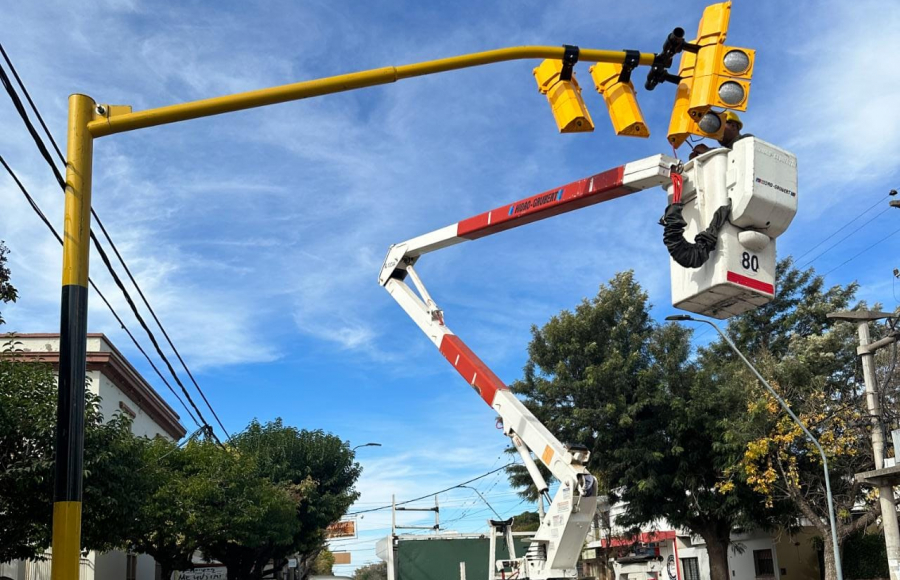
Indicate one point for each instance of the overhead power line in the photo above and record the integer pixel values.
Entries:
(46, 221)
(387, 507)
(840, 229)
(837, 243)
(48, 157)
(848, 260)
(99, 222)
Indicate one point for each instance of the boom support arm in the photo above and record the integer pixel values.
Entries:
(557, 544)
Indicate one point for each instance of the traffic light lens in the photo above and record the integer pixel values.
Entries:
(710, 123)
(736, 61)
(731, 93)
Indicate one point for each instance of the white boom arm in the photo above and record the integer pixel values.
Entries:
(557, 544)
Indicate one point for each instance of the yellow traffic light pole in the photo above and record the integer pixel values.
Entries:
(87, 121)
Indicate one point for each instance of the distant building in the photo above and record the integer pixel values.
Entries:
(122, 390)
(663, 552)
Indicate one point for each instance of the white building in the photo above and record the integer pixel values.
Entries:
(122, 390)
(663, 552)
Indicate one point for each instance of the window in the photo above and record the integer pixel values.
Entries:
(762, 561)
(131, 567)
(691, 568)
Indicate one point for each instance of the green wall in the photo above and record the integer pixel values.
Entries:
(439, 558)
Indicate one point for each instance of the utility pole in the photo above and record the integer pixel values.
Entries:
(884, 482)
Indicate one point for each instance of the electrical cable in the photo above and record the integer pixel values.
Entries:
(4, 78)
(46, 221)
(18, 104)
(894, 233)
(159, 324)
(834, 245)
(387, 507)
(837, 231)
(30, 102)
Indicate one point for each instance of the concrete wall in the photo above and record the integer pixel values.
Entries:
(797, 557)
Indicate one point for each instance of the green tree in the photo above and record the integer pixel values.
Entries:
(607, 377)
(377, 571)
(319, 472)
(170, 521)
(8, 292)
(249, 519)
(27, 434)
(526, 522)
(811, 361)
(324, 563)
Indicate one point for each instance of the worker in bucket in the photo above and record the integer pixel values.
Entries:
(733, 126)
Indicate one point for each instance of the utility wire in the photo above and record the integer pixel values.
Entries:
(62, 158)
(159, 324)
(59, 178)
(46, 221)
(894, 233)
(834, 245)
(385, 507)
(30, 102)
(837, 231)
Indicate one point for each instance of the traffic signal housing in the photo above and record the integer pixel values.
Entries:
(564, 96)
(620, 99)
(712, 75)
(710, 124)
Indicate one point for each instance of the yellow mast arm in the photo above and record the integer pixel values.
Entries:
(112, 122)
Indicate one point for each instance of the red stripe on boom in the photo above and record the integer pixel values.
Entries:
(751, 283)
(584, 192)
(471, 368)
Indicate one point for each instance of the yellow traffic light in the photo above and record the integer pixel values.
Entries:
(708, 124)
(621, 102)
(722, 73)
(712, 75)
(564, 96)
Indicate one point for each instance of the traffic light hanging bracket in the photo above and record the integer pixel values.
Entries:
(570, 57)
(632, 60)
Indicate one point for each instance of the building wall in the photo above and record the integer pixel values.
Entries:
(797, 556)
(142, 424)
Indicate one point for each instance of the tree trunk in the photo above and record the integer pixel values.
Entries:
(166, 571)
(718, 560)
(717, 537)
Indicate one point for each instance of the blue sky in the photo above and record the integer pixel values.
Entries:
(258, 236)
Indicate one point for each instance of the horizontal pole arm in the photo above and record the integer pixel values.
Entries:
(336, 84)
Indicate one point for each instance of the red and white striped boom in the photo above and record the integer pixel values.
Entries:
(557, 544)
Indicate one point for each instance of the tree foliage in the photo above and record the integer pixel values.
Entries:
(169, 522)
(605, 376)
(316, 469)
(811, 362)
(324, 563)
(377, 571)
(27, 434)
(8, 292)
(526, 522)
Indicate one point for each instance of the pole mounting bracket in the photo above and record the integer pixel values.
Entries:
(570, 57)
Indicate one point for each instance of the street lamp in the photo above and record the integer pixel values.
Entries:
(365, 445)
(831, 517)
(499, 517)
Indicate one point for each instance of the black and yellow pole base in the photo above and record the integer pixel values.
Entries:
(67, 488)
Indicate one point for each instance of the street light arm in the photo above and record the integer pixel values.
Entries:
(111, 123)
